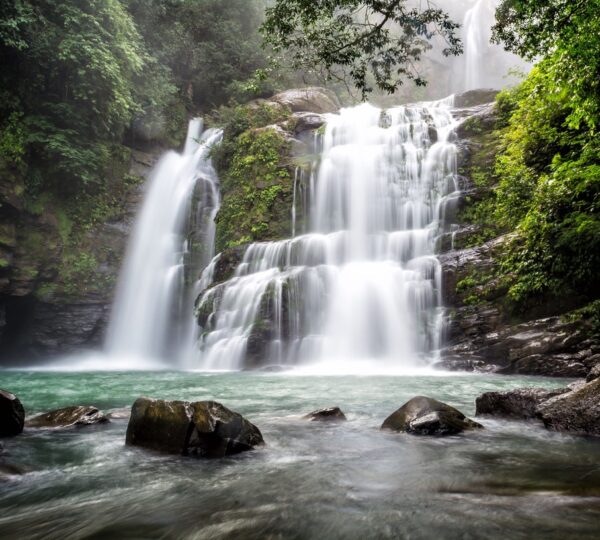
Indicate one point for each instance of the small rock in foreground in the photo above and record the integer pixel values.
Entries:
(425, 416)
(201, 428)
(12, 414)
(79, 415)
(331, 414)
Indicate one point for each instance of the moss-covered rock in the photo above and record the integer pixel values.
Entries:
(257, 190)
(201, 428)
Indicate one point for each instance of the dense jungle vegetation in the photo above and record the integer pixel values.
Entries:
(82, 81)
(548, 166)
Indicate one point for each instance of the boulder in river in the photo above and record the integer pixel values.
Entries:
(201, 428)
(331, 414)
(518, 403)
(577, 411)
(425, 416)
(12, 414)
(78, 415)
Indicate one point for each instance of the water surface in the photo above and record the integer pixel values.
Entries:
(351, 480)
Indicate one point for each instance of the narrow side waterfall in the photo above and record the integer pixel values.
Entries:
(476, 39)
(152, 294)
(485, 64)
(363, 286)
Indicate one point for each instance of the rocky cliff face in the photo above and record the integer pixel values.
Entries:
(55, 292)
(483, 332)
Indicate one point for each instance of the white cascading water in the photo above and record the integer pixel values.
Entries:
(151, 295)
(364, 284)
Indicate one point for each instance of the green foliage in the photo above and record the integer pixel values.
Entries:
(12, 139)
(550, 161)
(480, 209)
(211, 48)
(256, 187)
(568, 31)
(589, 313)
(73, 76)
(363, 40)
(238, 119)
(78, 272)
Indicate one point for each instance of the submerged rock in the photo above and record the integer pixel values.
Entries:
(519, 403)
(79, 415)
(331, 414)
(201, 428)
(12, 414)
(425, 416)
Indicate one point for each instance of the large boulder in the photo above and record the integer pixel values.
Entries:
(312, 99)
(12, 414)
(201, 428)
(575, 412)
(518, 403)
(425, 416)
(78, 415)
(331, 414)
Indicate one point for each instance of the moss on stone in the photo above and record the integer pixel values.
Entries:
(479, 168)
(257, 190)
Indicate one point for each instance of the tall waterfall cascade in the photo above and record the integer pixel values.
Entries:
(361, 285)
(153, 300)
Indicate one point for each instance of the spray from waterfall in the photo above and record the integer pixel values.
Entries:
(153, 299)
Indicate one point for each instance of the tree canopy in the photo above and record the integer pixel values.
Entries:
(382, 39)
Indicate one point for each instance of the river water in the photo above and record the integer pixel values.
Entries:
(350, 480)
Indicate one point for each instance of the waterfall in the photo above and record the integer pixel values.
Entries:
(484, 64)
(363, 284)
(152, 294)
(476, 37)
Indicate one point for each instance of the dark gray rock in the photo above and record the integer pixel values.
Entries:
(425, 416)
(331, 414)
(78, 415)
(229, 259)
(306, 121)
(12, 414)
(202, 428)
(594, 372)
(518, 403)
(576, 412)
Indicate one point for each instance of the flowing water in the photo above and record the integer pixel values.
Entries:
(310, 481)
(485, 64)
(152, 297)
(362, 286)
